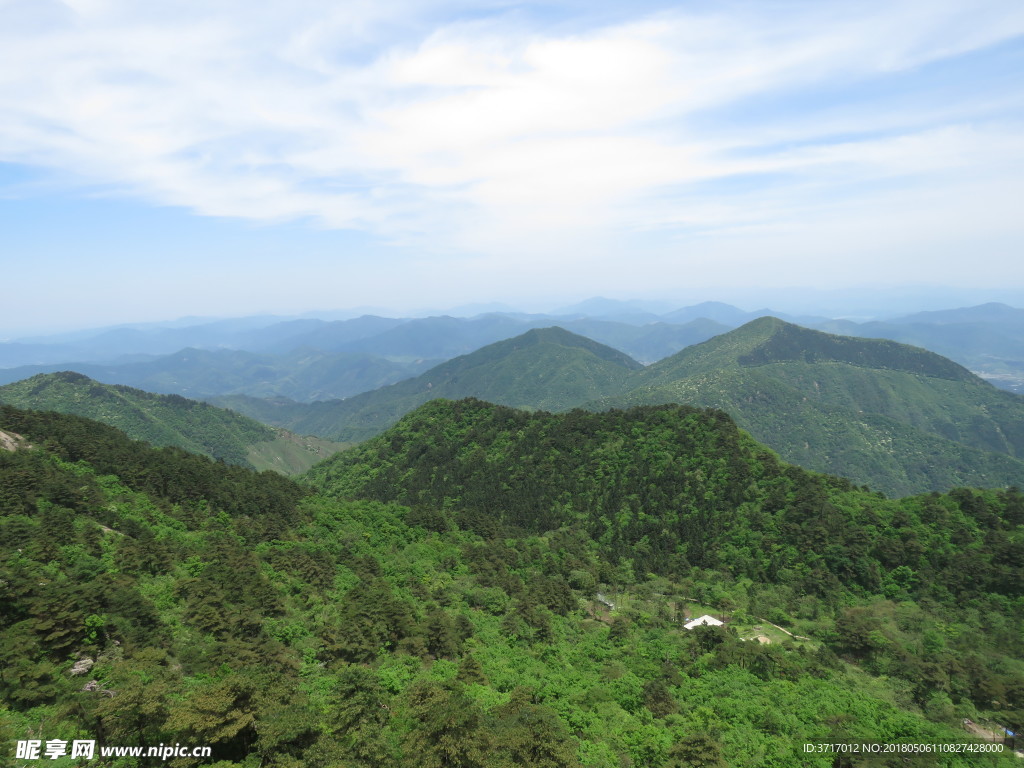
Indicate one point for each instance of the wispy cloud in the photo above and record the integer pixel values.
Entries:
(489, 130)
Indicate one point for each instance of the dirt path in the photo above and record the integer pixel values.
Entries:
(983, 733)
(988, 734)
(783, 629)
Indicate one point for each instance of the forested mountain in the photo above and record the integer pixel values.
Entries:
(988, 339)
(547, 368)
(898, 418)
(170, 420)
(150, 596)
(670, 487)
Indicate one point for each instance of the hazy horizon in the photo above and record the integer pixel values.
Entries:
(856, 307)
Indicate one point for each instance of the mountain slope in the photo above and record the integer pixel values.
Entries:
(548, 368)
(169, 420)
(899, 418)
(155, 597)
(988, 339)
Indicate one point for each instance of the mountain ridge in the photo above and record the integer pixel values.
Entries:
(170, 420)
(549, 369)
(848, 406)
(898, 418)
(768, 340)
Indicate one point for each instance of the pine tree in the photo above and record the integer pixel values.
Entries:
(448, 730)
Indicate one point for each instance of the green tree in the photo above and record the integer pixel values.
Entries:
(696, 750)
(448, 728)
(219, 712)
(357, 714)
(532, 736)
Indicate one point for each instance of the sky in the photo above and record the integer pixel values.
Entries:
(221, 158)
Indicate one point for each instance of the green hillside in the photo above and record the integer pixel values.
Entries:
(768, 340)
(547, 368)
(988, 339)
(895, 417)
(170, 420)
(151, 596)
(677, 490)
(898, 418)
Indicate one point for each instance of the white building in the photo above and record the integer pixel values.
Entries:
(704, 620)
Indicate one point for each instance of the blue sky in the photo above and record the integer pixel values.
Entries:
(178, 158)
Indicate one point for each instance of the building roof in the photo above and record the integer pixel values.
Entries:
(710, 621)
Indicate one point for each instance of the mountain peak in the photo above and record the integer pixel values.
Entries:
(765, 324)
(543, 368)
(68, 377)
(559, 336)
(553, 333)
(769, 340)
(786, 342)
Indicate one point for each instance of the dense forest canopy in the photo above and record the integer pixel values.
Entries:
(480, 586)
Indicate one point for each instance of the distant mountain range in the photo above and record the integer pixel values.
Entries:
(303, 374)
(313, 360)
(852, 406)
(171, 420)
(898, 418)
(309, 359)
(308, 373)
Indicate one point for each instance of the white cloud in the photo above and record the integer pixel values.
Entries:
(491, 135)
